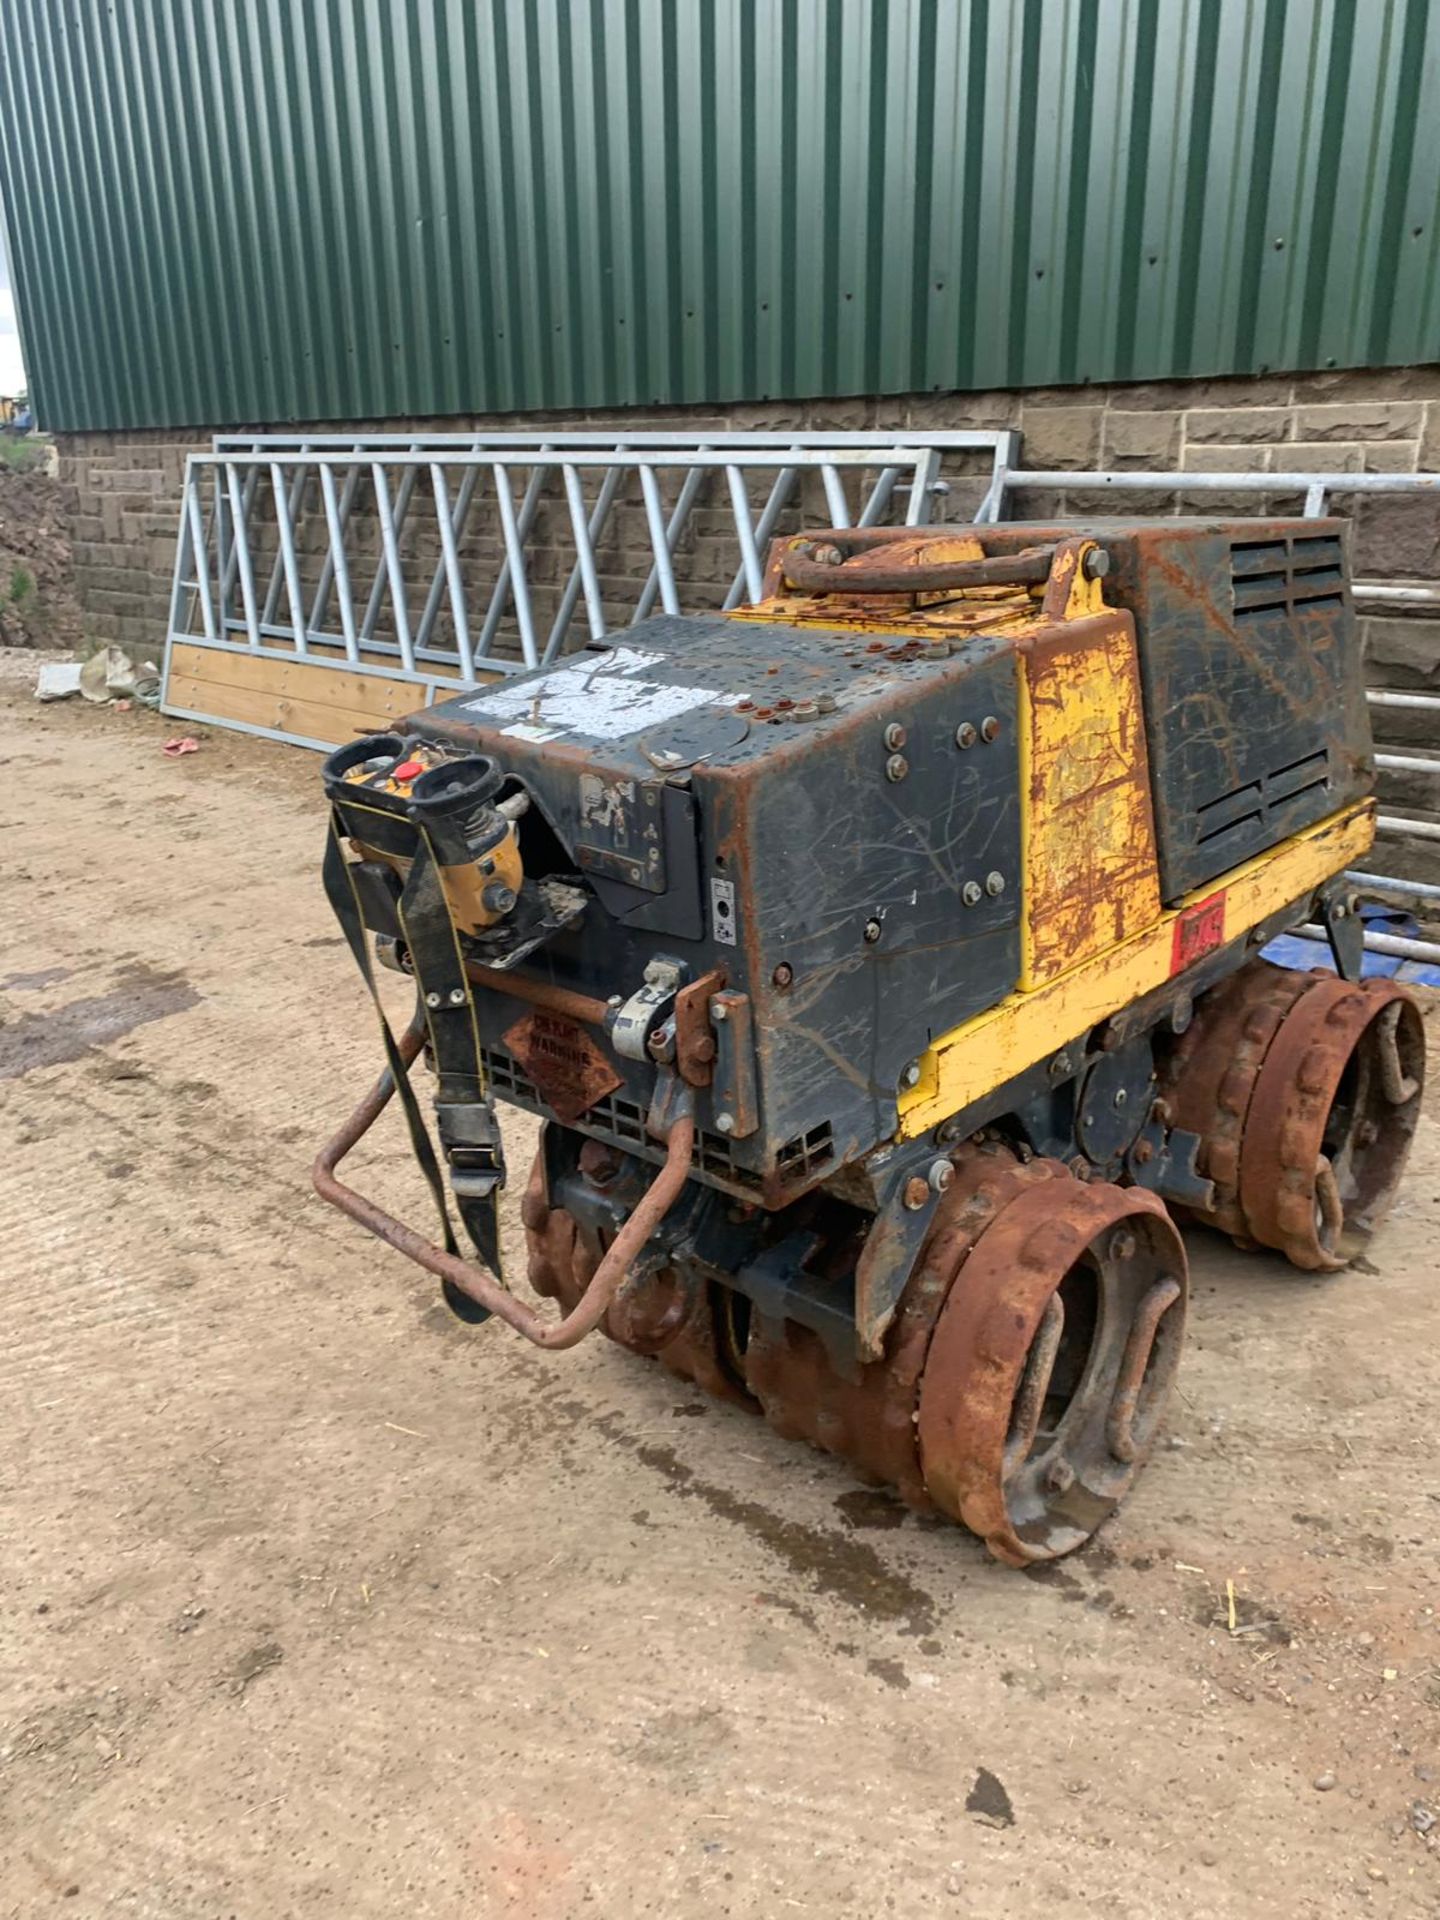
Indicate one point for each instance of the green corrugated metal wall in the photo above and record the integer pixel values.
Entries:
(269, 210)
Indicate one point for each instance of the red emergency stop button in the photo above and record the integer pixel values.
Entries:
(408, 769)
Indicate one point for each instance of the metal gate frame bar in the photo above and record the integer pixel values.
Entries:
(1003, 443)
(234, 466)
(1317, 488)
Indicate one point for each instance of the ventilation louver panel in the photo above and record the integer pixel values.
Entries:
(1286, 577)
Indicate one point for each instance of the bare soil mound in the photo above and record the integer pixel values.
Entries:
(38, 607)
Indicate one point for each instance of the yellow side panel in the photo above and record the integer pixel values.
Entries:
(1026, 1028)
(1089, 833)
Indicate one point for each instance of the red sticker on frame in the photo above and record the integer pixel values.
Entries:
(1199, 930)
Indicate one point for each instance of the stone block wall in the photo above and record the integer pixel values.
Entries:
(127, 486)
(127, 489)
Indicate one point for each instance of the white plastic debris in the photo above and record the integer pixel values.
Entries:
(109, 674)
(58, 680)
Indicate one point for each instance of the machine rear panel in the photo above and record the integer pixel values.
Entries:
(1254, 695)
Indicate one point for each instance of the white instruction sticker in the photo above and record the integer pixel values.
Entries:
(722, 910)
(602, 696)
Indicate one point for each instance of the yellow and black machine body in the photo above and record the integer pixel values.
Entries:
(884, 961)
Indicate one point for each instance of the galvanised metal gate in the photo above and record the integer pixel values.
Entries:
(420, 560)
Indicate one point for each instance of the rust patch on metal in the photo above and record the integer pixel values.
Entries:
(1331, 1121)
(477, 1283)
(694, 1042)
(683, 1325)
(1025, 1371)
(569, 1005)
(1305, 1092)
(1208, 1079)
(869, 1418)
(838, 563)
(1050, 1365)
(563, 1061)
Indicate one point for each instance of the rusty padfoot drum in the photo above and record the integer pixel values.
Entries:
(1025, 1372)
(695, 1329)
(1305, 1091)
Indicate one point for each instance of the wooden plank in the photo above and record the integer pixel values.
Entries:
(306, 699)
(300, 719)
(301, 679)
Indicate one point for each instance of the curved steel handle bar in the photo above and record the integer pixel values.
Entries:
(801, 569)
(477, 1281)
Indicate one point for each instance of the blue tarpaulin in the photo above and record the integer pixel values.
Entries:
(1295, 951)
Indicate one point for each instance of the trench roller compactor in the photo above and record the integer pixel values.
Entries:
(883, 959)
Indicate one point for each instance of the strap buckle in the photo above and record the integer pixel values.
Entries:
(474, 1152)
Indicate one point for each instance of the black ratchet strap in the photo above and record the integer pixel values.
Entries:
(469, 1132)
(454, 1046)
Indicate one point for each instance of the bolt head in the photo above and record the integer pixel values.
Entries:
(1122, 1246)
(989, 728)
(994, 885)
(896, 767)
(917, 1192)
(719, 1012)
(783, 974)
(940, 1176)
(895, 737)
(1059, 1475)
(725, 1122)
(457, 996)
(972, 893)
(872, 932)
(965, 735)
(1182, 1013)
(432, 1000)
(1097, 564)
(1121, 1096)
(911, 1075)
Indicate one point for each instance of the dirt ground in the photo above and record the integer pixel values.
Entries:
(317, 1604)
